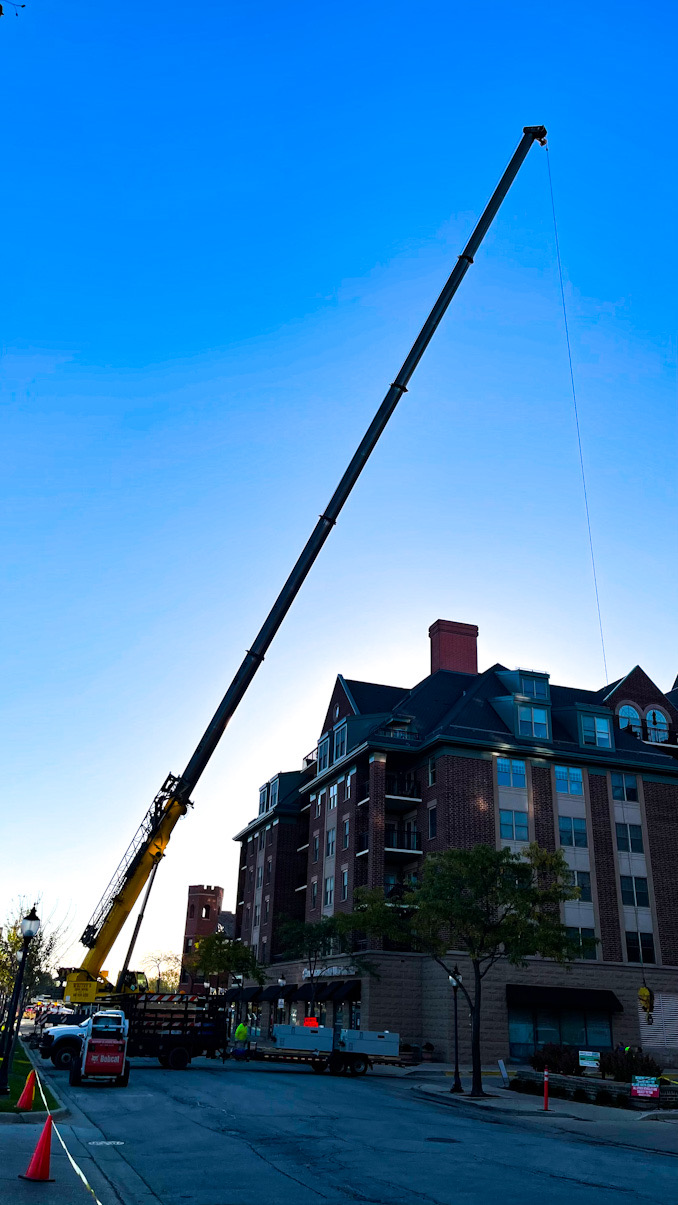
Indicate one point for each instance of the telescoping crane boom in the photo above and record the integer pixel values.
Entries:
(173, 799)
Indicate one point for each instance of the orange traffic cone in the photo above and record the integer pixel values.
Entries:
(25, 1101)
(38, 1168)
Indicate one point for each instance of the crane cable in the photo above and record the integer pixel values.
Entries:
(576, 412)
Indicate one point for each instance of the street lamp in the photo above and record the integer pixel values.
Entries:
(455, 980)
(29, 926)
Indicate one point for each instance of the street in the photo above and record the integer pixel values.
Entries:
(247, 1135)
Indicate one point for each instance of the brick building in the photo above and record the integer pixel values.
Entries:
(504, 757)
(204, 915)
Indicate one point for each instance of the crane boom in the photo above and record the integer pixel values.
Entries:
(173, 800)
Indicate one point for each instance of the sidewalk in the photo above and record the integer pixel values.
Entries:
(654, 1130)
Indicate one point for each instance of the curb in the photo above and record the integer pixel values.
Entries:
(37, 1116)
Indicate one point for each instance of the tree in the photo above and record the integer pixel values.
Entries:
(220, 955)
(165, 968)
(491, 904)
(42, 959)
(318, 944)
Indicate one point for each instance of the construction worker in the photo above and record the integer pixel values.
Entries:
(241, 1041)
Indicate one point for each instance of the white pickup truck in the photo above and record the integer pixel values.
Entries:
(62, 1043)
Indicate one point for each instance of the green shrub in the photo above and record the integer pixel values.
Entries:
(621, 1066)
(561, 1060)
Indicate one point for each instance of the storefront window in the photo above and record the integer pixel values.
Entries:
(521, 1032)
(573, 1029)
(548, 1027)
(529, 1029)
(598, 1031)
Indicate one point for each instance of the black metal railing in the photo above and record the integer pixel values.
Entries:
(644, 730)
(397, 734)
(401, 838)
(310, 759)
(403, 785)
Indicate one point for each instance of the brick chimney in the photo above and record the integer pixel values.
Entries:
(453, 646)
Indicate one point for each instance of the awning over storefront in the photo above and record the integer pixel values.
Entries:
(275, 992)
(346, 991)
(243, 995)
(526, 995)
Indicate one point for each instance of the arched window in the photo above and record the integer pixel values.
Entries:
(205, 912)
(191, 911)
(629, 718)
(657, 726)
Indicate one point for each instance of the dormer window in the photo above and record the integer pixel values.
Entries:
(533, 721)
(534, 688)
(273, 794)
(323, 754)
(340, 742)
(596, 731)
(263, 795)
(629, 718)
(657, 726)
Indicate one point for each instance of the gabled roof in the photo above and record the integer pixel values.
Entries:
(370, 698)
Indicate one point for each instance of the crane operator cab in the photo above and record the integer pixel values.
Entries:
(103, 1050)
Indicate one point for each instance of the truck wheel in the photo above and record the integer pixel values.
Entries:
(358, 1065)
(178, 1059)
(63, 1056)
(163, 1060)
(75, 1073)
(318, 1065)
(121, 1081)
(336, 1064)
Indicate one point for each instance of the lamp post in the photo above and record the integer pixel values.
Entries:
(30, 925)
(455, 980)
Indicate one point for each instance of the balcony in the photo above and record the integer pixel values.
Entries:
(402, 735)
(655, 734)
(401, 840)
(310, 759)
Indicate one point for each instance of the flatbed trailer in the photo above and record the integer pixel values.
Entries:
(339, 1051)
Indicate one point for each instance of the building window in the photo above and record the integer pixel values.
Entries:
(344, 884)
(582, 880)
(510, 773)
(257, 914)
(513, 826)
(585, 939)
(328, 897)
(268, 870)
(314, 893)
(262, 800)
(333, 796)
(255, 950)
(340, 743)
(316, 847)
(260, 875)
(535, 688)
(657, 726)
(205, 912)
(569, 780)
(431, 771)
(336, 711)
(315, 800)
(639, 947)
(323, 754)
(432, 822)
(629, 838)
(250, 879)
(267, 907)
(532, 1028)
(344, 836)
(572, 831)
(273, 794)
(532, 721)
(625, 786)
(262, 838)
(347, 787)
(634, 891)
(191, 911)
(329, 844)
(629, 718)
(596, 731)
(269, 836)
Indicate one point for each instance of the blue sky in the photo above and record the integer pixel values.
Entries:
(223, 227)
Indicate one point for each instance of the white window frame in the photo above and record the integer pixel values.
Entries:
(330, 842)
(344, 885)
(332, 797)
(531, 707)
(567, 789)
(598, 721)
(340, 737)
(328, 891)
(512, 763)
(323, 754)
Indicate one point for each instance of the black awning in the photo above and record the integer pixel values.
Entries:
(306, 991)
(249, 993)
(535, 996)
(232, 994)
(275, 992)
(326, 990)
(347, 991)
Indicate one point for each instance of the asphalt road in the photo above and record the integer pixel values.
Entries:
(244, 1135)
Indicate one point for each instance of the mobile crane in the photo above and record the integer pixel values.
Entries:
(140, 863)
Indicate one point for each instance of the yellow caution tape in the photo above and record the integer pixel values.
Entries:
(78, 1171)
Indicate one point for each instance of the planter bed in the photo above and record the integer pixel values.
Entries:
(595, 1091)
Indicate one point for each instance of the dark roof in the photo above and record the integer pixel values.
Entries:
(370, 698)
